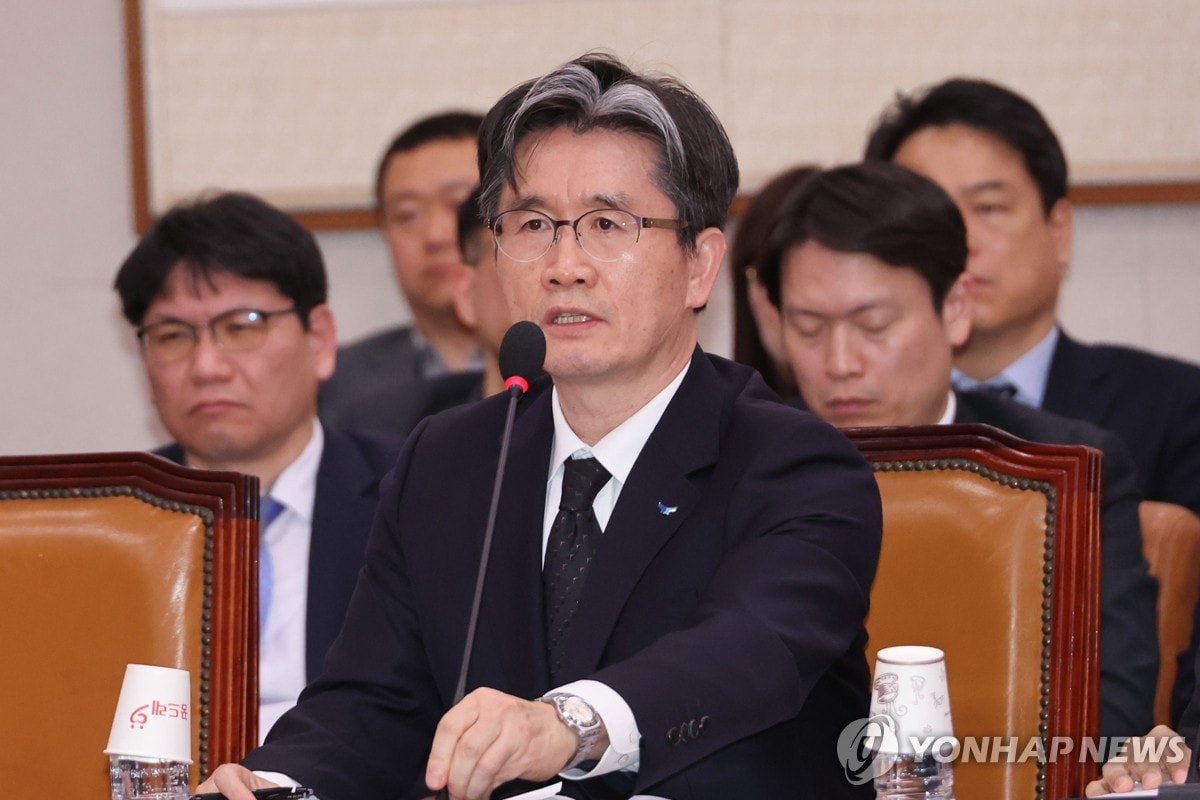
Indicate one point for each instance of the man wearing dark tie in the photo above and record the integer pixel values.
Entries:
(681, 565)
(228, 298)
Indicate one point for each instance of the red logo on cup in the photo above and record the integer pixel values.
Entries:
(140, 716)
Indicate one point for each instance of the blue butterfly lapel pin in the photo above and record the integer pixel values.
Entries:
(666, 510)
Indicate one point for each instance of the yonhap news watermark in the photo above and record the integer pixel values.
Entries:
(872, 746)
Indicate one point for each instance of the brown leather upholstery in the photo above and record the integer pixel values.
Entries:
(1171, 543)
(991, 553)
(111, 559)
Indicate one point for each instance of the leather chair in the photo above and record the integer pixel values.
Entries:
(111, 559)
(1171, 544)
(991, 552)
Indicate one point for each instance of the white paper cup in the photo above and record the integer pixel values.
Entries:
(910, 688)
(154, 715)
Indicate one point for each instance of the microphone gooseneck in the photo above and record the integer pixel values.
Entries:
(522, 352)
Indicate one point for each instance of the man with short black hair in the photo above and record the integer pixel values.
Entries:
(997, 157)
(228, 295)
(865, 263)
(423, 176)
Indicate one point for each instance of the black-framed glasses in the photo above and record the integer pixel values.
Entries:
(239, 329)
(605, 234)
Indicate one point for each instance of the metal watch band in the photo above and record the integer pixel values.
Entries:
(588, 733)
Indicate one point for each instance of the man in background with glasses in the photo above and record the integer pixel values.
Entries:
(681, 565)
(228, 298)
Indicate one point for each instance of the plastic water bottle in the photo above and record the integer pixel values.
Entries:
(148, 779)
(919, 777)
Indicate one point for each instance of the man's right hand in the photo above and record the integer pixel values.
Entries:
(1159, 756)
(234, 781)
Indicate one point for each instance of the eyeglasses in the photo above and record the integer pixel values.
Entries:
(605, 234)
(239, 330)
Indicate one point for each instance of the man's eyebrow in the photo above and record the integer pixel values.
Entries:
(618, 200)
(985, 186)
(868, 305)
(613, 200)
(441, 188)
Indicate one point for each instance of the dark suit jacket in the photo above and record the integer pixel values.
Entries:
(733, 626)
(1151, 402)
(385, 360)
(347, 494)
(1129, 596)
(395, 409)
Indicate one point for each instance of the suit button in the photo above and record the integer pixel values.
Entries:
(673, 736)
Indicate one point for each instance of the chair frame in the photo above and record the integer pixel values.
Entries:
(1070, 478)
(228, 504)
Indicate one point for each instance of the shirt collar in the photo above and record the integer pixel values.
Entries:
(296, 486)
(621, 446)
(1028, 373)
(431, 364)
(951, 409)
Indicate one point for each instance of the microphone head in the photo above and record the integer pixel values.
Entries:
(522, 353)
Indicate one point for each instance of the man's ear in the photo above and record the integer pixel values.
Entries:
(1061, 222)
(705, 265)
(464, 300)
(957, 313)
(322, 339)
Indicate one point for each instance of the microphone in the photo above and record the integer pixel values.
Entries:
(522, 353)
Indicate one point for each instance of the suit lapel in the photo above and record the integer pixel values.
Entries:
(343, 507)
(1074, 388)
(685, 440)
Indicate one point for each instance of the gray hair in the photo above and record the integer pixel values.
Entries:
(695, 166)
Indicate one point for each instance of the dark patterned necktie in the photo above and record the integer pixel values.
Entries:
(574, 537)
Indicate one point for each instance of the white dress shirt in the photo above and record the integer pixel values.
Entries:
(281, 645)
(616, 452)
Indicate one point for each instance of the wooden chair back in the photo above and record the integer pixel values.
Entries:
(108, 559)
(991, 552)
(1171, 544)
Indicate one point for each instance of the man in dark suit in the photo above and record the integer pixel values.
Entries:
(996, 155)
(725, 543)
(866, 265)
(422, 178)
(228, 297)
(479, 304)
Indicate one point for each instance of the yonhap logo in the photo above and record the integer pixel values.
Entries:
(868, 747)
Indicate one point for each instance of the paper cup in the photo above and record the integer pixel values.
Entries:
(154, 715)
(910, 689)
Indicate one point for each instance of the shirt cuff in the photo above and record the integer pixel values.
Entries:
(277, 778)
(624, 739)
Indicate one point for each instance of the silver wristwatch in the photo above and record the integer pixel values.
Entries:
(580, 717)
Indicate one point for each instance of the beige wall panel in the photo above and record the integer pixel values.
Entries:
(295, 100)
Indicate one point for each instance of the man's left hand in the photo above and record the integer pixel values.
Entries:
(490, 738)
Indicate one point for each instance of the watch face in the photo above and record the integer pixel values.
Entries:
(578, 710)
